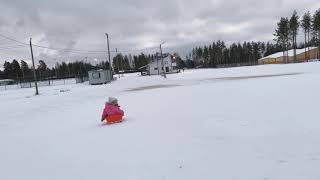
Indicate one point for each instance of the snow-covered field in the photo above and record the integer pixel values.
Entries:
(244, 123)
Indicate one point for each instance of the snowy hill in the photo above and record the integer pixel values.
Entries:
(239, 123)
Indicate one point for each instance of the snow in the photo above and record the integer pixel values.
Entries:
(289, 53)
(250, 123)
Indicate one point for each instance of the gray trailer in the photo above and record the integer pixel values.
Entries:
(99, 77)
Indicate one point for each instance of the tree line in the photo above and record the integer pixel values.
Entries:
(288, 29)
(218, 53)
(21, 71)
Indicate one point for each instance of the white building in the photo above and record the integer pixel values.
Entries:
(156, 67)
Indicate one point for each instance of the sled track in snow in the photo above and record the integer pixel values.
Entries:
(252, 77)
(160, 86)
(153, 87)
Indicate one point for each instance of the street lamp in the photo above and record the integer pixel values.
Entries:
(111, 76)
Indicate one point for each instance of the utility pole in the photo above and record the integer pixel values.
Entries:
(111, 76)
(163, 69)
(34, 69)
(158, 64)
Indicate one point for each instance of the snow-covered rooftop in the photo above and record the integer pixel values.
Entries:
(290, 53)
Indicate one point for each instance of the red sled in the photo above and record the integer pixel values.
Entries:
(114, 119)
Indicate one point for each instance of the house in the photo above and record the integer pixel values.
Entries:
(160, 65)
(99, 77)
(302, 55)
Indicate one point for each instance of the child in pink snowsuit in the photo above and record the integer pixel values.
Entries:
(111, 108)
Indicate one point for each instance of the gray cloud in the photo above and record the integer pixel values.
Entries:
(137, 24)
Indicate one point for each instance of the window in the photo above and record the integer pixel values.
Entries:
(96, 75)
(155, 69)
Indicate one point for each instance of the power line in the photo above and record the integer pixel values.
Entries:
(70, 50)
(77, 51)
(137, 50)
(11, 47)
(11, 39)
(91, 51)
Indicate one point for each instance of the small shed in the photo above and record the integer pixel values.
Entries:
(99, 77)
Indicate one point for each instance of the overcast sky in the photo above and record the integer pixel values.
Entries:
(136, 24)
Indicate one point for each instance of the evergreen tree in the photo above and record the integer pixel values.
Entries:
(199, 56)
(63, 69)
(70, 70)
(190, 64)
(117, 62)
(8, 72)
(140, 61)
(16, 69)
(126, 64)
(306, 26)
(1, 75)
(233, 53)
(282, 35)
(104, 65)
(255, 53)
(42, 69)
(206, 56)
(294, 26)
(316, 28)
(25, 69)
(226, 56)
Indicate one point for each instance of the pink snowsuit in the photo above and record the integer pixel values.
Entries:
(110, 110)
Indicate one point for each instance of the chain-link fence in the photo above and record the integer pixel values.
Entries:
(29, 82)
